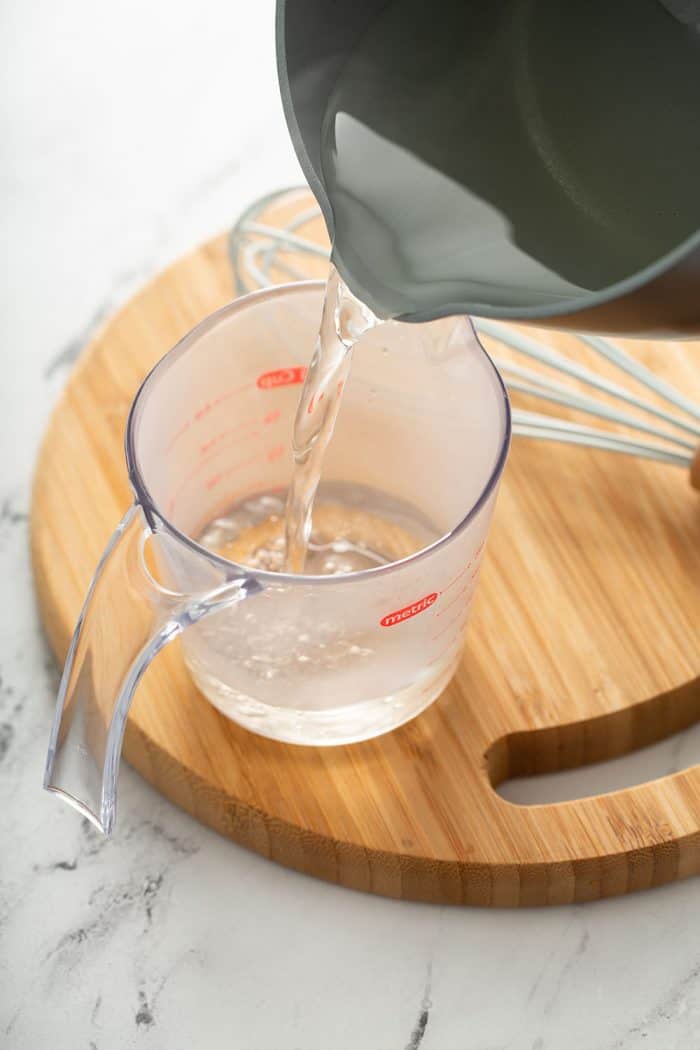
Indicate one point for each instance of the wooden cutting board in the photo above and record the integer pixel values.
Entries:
(584, 644)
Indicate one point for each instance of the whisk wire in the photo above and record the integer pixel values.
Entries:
(553, 359)
(257, 246)
(640, 372)
(601, 440)
(559, 394)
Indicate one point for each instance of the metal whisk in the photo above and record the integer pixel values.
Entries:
(286, 247)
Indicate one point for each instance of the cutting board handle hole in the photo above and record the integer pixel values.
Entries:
(597, 756)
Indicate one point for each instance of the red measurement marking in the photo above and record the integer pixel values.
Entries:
(178, 434)
(456, 598)
(453, 621)
(207, 454)
(466, 568)
(446, 647)
(204, 410)
(445, 628)
(215, 479)
(391, 619)
(281, 377)
(272, 417)
(228, 394)
(275, 453)
(207, 446)
(457, 578)
(202, 463)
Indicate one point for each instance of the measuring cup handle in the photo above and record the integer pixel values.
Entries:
(126, 620)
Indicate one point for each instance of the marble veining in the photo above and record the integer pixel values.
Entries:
(130, 133)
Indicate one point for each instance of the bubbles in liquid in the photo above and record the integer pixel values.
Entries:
(352, 529)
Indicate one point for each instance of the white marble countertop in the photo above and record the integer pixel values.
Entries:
(131, 131)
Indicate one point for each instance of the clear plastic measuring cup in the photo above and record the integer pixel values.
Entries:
(420, 444)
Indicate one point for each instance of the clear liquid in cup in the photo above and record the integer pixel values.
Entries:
(352, 528)
(303, 667)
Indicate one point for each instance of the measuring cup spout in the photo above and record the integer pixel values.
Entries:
(126, 620)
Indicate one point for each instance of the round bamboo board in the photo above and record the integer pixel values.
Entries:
(583, 645)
